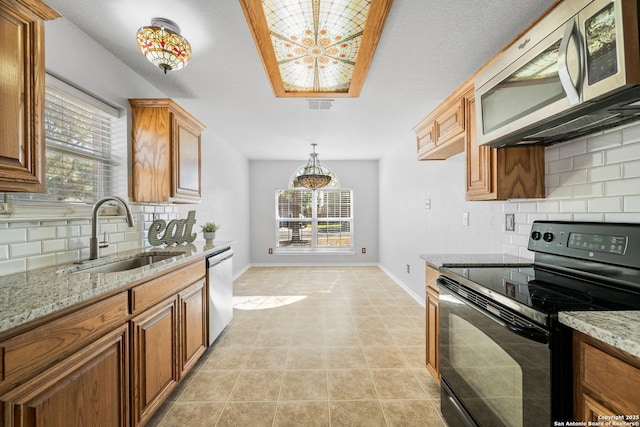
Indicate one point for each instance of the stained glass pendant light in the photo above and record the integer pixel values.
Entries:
(314, 174)
(163, 45)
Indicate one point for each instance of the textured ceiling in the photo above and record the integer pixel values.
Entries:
(427, 48)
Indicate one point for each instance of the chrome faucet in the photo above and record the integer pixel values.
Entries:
(93, 242)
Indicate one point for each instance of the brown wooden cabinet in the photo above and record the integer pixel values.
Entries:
(90, 388)
(606, 381)
(432, 322)
(154, 342)
(502, 173)
(22, 82)
(440, 134)
(166, 144)
(109, 362)
(193, 325)
(168, 335)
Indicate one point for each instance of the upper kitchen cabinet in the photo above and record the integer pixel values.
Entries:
(22, 82)
(166, 152)
(440, 134)
(502, 173)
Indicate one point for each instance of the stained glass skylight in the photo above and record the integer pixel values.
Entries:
(316, 47)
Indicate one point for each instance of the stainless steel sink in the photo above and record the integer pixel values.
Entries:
(127, 264)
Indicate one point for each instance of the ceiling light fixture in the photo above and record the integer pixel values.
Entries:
(314, 175)
(163, 45)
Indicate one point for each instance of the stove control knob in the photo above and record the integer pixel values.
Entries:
(535, 235)
(547, 237)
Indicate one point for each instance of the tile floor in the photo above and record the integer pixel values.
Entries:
(312, 346)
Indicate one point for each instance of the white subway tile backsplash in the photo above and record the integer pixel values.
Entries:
(605, 173)
(54, 245)
(606, 204)
(41, 261)
(11, 266)
(589, 190)
(622, 154)
(604, 140)
(574, 177)
(67, 257)
(622, 187)
(559, 192)
(631, 134)
(578, 205)
(527, 207)
(560, 217)
(588, 160)
(13, 235)
(41, 233)
(588, 217)
(552, 180)
(17, 250)
(632, 204)
(562, 165)
(631, 169)
(572, 149)
(4, 252)
(548, 206)
(622, 217)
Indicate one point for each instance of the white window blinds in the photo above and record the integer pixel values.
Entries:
(81, 140)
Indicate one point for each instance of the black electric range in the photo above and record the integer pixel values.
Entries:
(511, 313)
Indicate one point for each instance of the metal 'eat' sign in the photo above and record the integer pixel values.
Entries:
(177, 231)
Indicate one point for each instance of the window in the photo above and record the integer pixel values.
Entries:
(314, 220)
(80, 137)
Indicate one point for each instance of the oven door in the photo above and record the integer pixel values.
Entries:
(493, 373)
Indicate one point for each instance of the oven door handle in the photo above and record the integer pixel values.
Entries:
(532, 334)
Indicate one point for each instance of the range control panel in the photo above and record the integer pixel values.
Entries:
(614, 243)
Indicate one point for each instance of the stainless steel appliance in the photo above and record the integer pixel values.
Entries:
(220, 291)
(505, 360)
(575, 72)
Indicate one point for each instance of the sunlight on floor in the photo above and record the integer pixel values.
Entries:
(262, 302)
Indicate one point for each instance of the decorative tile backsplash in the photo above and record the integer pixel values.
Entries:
(41, 243)
(594, 178)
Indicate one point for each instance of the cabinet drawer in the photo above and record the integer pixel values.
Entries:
(156, 290)
(26, 355)
(610, 378)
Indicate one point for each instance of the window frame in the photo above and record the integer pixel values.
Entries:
(313, 221)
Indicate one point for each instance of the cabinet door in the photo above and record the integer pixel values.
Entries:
(480, 160)
(21, 100)
(89, 388)
(186, 160)
(193, 325)
(432, 323)
(154, 358)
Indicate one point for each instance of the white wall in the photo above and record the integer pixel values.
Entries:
(408, 229)
(359, 176)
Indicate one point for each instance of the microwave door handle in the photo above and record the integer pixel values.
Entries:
(563, 68)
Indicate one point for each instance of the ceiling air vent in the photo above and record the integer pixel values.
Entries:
(320, 104)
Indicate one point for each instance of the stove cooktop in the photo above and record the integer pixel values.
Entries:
(546, 291)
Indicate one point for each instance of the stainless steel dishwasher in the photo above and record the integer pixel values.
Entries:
(220, 290)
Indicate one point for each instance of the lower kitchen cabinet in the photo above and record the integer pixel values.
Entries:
(154, 343)
(193, 325)
(432, 323)
(606, 381)
(90, 388)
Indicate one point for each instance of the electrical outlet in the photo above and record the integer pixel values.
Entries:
(364, 250)
(408, 268)
(270, 251)
(509, 222)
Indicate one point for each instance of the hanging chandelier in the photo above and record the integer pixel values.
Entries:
(162, 44)
(314, 174)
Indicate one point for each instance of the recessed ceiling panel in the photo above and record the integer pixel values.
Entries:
(316, 47)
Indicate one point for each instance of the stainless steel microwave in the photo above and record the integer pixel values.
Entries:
(575, 72)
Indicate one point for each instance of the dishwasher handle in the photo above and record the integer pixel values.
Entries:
(218, 257)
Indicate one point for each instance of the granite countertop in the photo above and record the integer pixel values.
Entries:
(473, 260)
(621, 329)
(37, 293)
